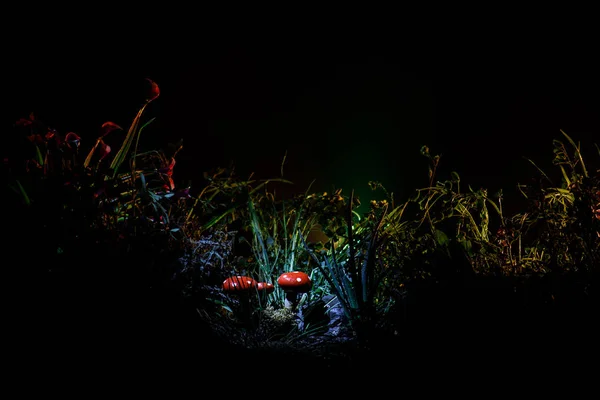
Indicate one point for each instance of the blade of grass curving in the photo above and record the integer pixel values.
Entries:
(137, 141)
(213, 221)
(396, 215)
(21, 190)
(520, 187)
(88, 159)
(565, 176)
(122, 153)
(495, 206)
(38, 155)
(465, 213)
(431, 200)
(577, 152)
(267, 181)
(540, 170)
(283, 163)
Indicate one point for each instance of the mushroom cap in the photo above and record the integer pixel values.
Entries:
(294, 281)
(239, 283)
(265, 286)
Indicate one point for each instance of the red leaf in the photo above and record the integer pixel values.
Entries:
(154, 90)
(108, 127)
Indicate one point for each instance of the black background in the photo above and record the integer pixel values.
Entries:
(343, 114)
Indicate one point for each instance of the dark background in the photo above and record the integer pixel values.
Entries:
(354, 108)
(342, 120)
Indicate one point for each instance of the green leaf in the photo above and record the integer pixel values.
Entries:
(23, 193)
(441, 238)
(468, 246)
(38, 155)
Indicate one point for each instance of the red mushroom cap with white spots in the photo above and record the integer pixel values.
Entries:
(294, 281)
(265, 286)
(239, 283)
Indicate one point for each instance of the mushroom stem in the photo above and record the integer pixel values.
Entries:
(243, 287)
(291, 300)
(246, 310)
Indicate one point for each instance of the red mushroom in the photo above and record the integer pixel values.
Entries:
(239, 283)
(294, 283)
(241, 286)
(265, 287)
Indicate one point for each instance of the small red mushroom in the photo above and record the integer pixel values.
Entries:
(241, 286)
(265, 287)
(239, 283)
(294, 283)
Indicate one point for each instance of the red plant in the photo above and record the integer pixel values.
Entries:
(154, 90)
